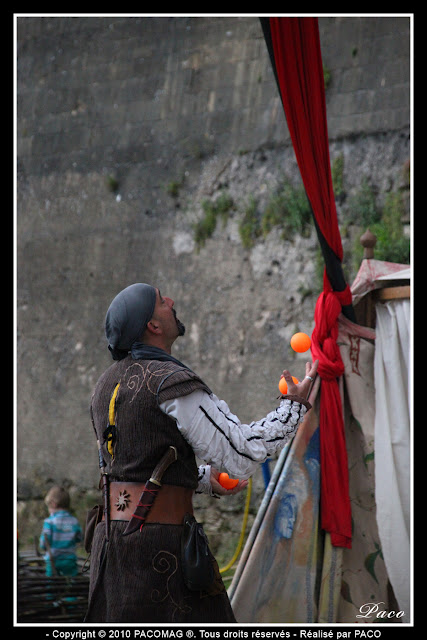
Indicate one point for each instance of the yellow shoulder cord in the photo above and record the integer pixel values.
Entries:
(242, 533)
(111, 436)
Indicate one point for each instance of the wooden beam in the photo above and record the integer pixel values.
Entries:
(394, 293)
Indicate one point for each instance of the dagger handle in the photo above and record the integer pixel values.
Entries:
(170, 456)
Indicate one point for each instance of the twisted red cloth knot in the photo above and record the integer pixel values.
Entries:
(324, 345)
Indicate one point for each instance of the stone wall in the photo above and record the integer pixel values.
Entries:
(111, 114)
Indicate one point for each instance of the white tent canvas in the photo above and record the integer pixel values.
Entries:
(289, 571)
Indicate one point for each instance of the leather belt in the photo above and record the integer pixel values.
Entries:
(170, 506)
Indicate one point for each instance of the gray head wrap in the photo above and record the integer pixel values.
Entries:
(127, 317)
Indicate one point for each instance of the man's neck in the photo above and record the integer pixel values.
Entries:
(160, 344)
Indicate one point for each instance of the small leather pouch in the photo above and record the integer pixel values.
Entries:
(196, 557)
(93, 517)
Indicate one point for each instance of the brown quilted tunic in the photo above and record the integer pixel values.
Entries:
(143, 431)
(138, 578)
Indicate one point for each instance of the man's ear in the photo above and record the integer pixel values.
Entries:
(153, 327)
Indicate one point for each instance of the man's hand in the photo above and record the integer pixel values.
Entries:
(302, 388)
(219, 489)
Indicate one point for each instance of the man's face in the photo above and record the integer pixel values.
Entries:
(165, 314)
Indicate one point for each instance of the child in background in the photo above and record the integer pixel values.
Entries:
(60, 534)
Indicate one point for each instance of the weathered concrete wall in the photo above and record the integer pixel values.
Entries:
(148, 102)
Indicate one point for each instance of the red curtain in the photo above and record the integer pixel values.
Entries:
(299, 67)
(299, 72)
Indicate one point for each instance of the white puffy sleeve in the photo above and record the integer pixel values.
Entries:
(219, 438)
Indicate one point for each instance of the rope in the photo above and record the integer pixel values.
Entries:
(242, 533)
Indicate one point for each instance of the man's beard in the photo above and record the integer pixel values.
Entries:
(179, 324)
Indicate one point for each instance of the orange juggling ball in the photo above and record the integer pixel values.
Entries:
(226, 482)
(300, 342)
(283, 385)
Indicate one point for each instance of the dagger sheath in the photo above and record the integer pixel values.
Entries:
(150, 491)
(105, 492)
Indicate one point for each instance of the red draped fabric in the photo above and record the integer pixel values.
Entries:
(299, 70)
(335, 499)
(299, 67)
